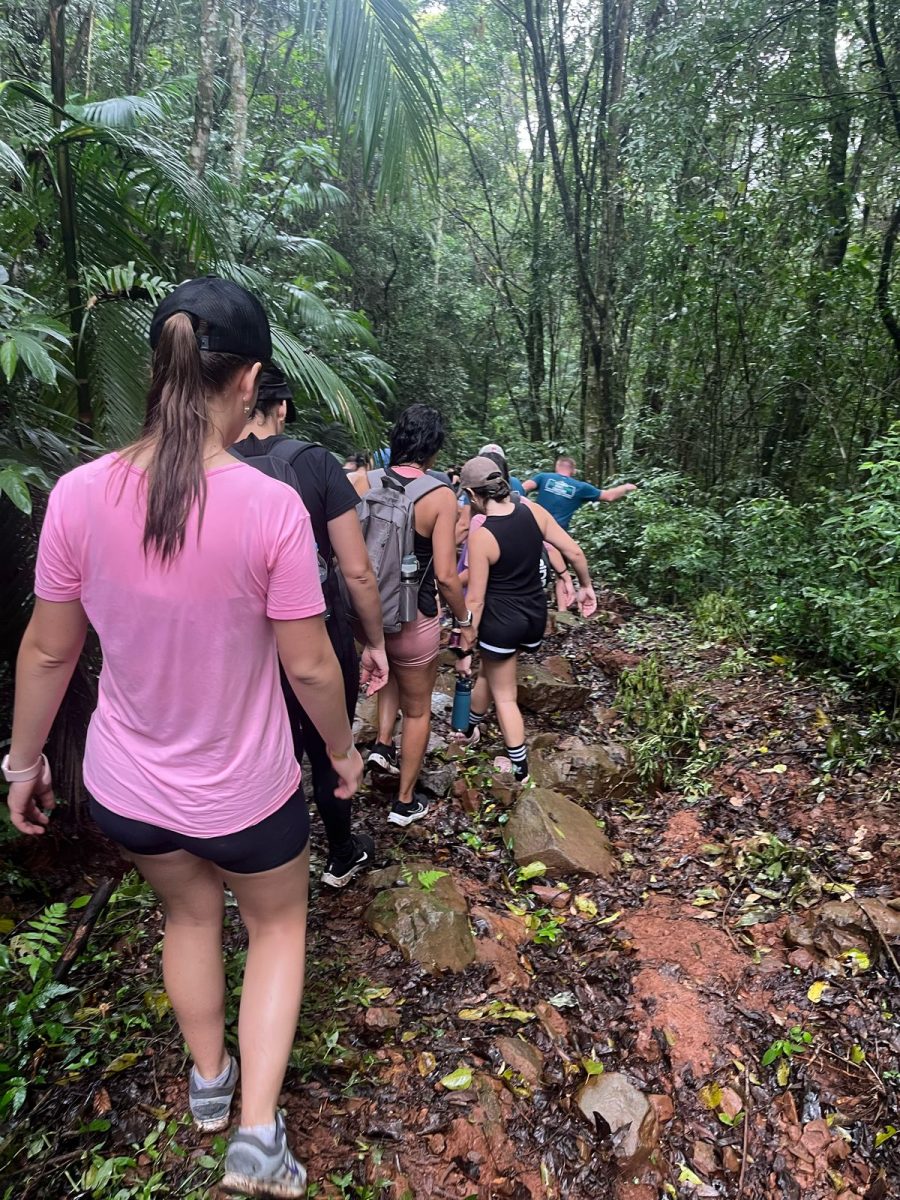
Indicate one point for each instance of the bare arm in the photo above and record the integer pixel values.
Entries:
(483, 551)
(529, 486)
(572, 552)
(47, 658)
(313, 672)
(616, 493)
(444, 544)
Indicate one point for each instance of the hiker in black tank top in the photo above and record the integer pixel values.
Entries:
(507, 598)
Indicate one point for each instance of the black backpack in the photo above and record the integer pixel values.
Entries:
(278, 463)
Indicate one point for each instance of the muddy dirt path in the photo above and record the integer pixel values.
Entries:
(719, 1059)
(497, 1014)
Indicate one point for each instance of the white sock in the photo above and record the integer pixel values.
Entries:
(265, 1133)
(219, 1080)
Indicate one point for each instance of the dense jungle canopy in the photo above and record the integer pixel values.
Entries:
(661, 236)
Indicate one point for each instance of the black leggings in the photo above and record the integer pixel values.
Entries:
(271, 843)
(336, 814)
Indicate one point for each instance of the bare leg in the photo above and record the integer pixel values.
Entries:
(191, 891)
(481, 694)
(416, 685)
(388, 708)
(273, 907)
(501, 678)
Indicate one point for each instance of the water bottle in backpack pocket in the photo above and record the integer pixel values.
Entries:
(409, 588)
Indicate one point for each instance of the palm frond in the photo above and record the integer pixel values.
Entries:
(383, 85)
(321, 387)
(118, 358)
(118, 112)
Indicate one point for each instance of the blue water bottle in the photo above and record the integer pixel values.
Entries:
(462, 703)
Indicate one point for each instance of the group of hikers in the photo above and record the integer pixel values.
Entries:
(229, 604)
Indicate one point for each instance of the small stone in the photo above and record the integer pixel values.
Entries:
(546, 827)
(631, 1117)
(703, 1158)
(439, 780)
(382, 1018)
(665, 1109)
(524, 1058)
(541, 692)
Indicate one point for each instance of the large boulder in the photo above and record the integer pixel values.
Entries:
(629, 1115)
(542, 692)
(429, 925)
(578, 769)
(546, 827)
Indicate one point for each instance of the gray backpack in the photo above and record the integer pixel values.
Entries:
(386, 514)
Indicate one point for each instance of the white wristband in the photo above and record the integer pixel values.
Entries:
(26, 775)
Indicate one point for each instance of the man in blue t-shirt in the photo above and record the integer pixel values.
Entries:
(562, 494)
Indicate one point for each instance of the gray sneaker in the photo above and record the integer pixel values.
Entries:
(255, 1169)
(211, 1107)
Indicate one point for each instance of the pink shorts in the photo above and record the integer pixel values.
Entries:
(416, 645)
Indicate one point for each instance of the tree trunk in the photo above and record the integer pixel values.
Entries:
(135, 47)
(238, 60)
(790, 424)
(67, 216)
(604, 393)
(206, 71)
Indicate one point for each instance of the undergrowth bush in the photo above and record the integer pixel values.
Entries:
(819, 579)
(666, 721)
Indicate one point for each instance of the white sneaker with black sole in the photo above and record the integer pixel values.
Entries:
(406, 814)
(340, 871)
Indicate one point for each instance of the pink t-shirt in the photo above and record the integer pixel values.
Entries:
(191, 731)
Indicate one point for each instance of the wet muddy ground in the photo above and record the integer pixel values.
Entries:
(676, 974)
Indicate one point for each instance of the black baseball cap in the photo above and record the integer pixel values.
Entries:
(234, 320)
(273, 385)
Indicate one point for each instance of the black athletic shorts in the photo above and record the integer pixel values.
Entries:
(506, 629)
(274, 841)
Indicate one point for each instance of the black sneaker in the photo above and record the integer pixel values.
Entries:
(384, 757)
(339, 871)
(405, 814)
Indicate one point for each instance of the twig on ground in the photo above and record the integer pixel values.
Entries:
(746, 1142)
(87, 918)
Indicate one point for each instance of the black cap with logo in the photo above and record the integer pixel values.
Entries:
(234, 321)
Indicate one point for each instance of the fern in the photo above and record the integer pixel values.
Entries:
(41, 941)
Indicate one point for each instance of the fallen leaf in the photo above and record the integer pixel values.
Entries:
(817, 990)
(458, 1080)
(585, 905)
(710, 1095)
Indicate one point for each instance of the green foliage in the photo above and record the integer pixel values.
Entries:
(667, 723)
(797, 1041)
(819, 579)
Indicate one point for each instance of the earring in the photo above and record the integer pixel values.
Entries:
(247, 411)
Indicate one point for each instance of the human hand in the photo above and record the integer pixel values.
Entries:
(629, 487)
(587, 601)
(463, 664)
(350, 773)
(565, 593)
(31, 803)
(373, 669)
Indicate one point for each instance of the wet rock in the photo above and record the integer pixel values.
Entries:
(428, 926)
(836, 926)
(524, 1058)
(579, 769)
(546, 827)
(566, 620)
(439, 780)
(631, 1117)
(541, 692)
(559, 668)
(664, 1105)
(381, 1018)
(365, 723)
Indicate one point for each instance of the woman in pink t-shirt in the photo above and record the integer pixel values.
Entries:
(197, 572)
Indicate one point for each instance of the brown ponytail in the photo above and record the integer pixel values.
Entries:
(177, 424)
